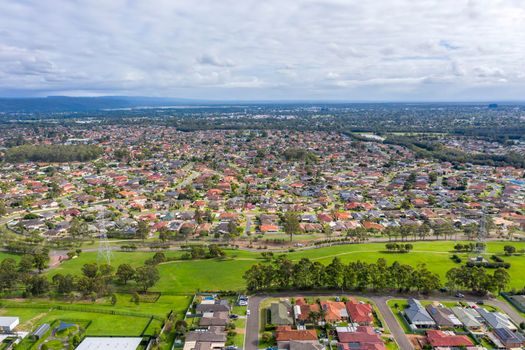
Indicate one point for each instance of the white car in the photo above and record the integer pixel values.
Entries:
(247, 312)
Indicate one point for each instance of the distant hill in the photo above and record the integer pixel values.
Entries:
(83, 104)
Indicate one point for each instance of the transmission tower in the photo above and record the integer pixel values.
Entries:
(482, 233)
(104, 251)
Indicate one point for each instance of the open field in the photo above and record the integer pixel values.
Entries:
(37, 311)
(189, 276)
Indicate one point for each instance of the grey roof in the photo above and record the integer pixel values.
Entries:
(466, 316)
(496, 319)
(41, 330)
(218, 319)
(201, 308)
(280, 314)
(417, 314)
(443, 316)
(209, 336)
(507, 336)
(305, 345)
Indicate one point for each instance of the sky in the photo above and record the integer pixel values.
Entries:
(377, 50)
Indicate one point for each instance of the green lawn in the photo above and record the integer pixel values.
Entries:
(5, 255)
(102, 324)
(189, 276)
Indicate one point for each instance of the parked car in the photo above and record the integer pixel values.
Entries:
(480, 302)
(234, 317)
(459, 295)
(247, 312)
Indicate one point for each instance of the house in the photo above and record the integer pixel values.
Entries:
(304, 345)
(496, 319)
(219, 318)
(468, 317)
(443, 316)
(442, 339)
(417, 316)
(8, 323)
(280, 313)
(302, 310)
(510, 339)
(214, 338)
(334, 311)
(363, 338)
(285, 335)
(360, 313)
(214, 306)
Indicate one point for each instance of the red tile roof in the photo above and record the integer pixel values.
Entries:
(285, 333)
(440, 338)
(359, 313)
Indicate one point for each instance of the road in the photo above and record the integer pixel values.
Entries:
(390, 319)
(252, 323)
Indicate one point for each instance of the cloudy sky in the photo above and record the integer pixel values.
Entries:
(265, 49)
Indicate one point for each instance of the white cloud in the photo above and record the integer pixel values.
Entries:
(398, 49)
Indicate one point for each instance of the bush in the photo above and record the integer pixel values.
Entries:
(267, 337)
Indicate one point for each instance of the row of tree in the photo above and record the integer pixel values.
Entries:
(281, 274)
(98, 279)
(52, 153)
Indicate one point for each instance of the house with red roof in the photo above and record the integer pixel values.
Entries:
(360, 313)
(302, 310)
(438, 338)
(334, 311)
(364, 338)
(294, 339)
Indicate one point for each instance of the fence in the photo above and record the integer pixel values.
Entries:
(509, 297)
(81, 309)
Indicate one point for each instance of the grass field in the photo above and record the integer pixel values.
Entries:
(189, 276)
(37, 311)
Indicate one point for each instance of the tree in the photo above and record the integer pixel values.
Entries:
(147, 276)
(214, 251)
(291, 224)
(135, 298)
(334, 274)
(267, 337)
(3, 209)
(90, 270)
(26, 263)
(424, 231)
(37, 285)
(78, 228)
(509, 250)
(41, 260)
(500, 279)
(63, 284)
(125, 273)
(424, 280)
(8, 274)
(142, 230)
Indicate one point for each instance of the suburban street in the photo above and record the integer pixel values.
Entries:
(252, 323)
